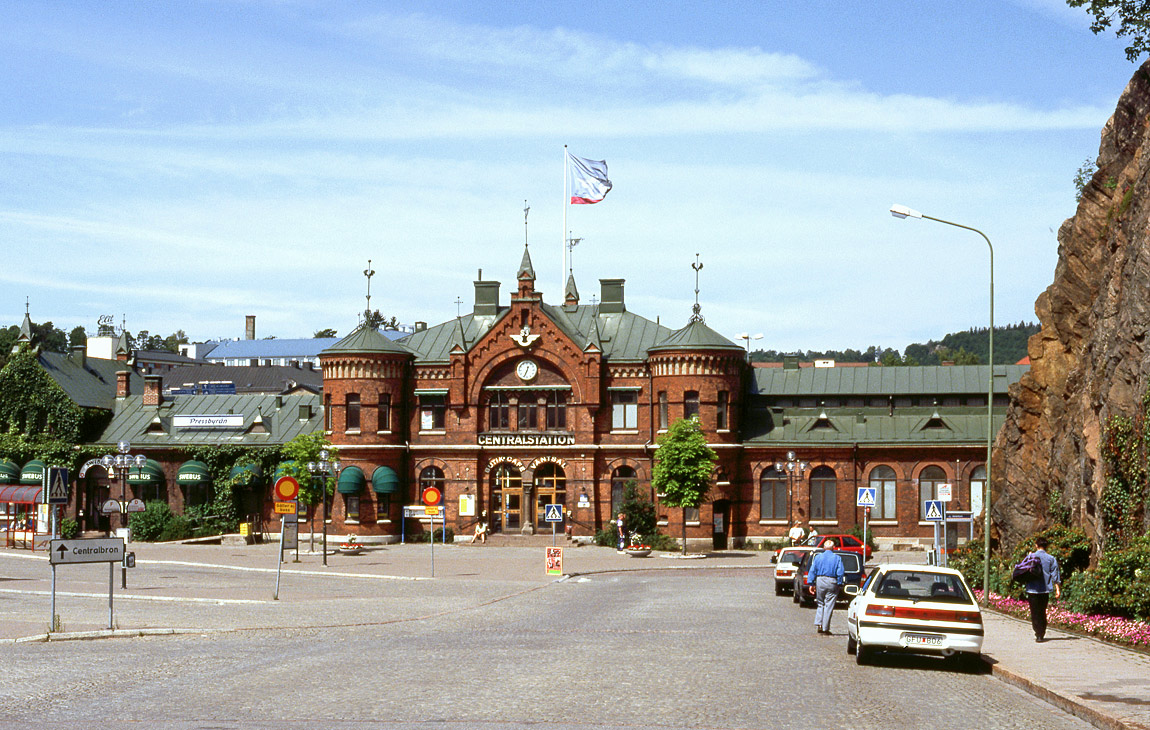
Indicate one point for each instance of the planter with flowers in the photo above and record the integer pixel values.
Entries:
(351, 547)
(636, 549)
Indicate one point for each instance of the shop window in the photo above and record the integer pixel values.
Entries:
(352, 405)
(823, 486)
(383, 413)
(882, 480)
(351, 506)
(382, 507)
(432, 412)
(691, 404)
(772, 495)
(431, 476)
(624, 410)
(556, 410)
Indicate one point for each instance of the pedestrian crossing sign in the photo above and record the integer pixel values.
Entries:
(57, 483)
(933, 510)
(866, 497)
(553, 513)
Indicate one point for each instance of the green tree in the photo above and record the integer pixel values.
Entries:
(1133, 18)
(380, 321)
(297, 453)
(325, 332)
(78, 336)
(173, 341)
(683, 467)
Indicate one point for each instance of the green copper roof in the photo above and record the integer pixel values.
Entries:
(526, 270)
(366, 339)
(696, 336)
(880, 381)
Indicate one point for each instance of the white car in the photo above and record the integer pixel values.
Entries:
(786, 563)
(921, 609)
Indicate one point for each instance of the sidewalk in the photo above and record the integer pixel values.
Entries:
(221, 588)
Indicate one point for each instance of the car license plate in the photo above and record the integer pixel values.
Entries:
(922, 640)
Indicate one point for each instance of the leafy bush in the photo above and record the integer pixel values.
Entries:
(178, 528)
(1119, 586)
(69, 528)
(967, 559)
(437, 535)
(856, 530)
(147, 526)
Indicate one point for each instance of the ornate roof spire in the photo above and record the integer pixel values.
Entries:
(695, 311)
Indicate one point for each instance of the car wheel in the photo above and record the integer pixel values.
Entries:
(796, 595)
(862, 654)
(852, 645)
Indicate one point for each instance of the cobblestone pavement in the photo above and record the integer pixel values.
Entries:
(491, 642)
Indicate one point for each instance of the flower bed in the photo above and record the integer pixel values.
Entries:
(1134, 634)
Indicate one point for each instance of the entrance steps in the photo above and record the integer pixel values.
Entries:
(541, 539)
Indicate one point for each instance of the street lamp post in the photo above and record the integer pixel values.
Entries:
(117, 466)
(901, 211)
(748, 338)
(791, 467)
(321, 470)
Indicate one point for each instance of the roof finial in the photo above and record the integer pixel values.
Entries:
(526, 210)
(572, 242)
(368, 272)
(458, 302)
(697, 266)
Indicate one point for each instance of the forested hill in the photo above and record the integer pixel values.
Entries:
(961, 348)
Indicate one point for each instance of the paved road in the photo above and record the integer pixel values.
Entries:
(662, 649)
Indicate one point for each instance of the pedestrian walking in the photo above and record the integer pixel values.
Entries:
(622, 531)
(825, 579)
(796, 533)
(1039, 589)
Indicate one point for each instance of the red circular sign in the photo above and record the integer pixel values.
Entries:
(287, 488)
(432, 496)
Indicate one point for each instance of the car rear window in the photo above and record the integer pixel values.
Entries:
(923, 586)
(850, 562)
(791, 556)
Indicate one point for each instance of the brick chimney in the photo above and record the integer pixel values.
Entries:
(122, 388)
(250, 327)
(153, 390)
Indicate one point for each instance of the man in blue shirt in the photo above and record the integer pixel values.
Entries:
(825, 579)
(1038, 590)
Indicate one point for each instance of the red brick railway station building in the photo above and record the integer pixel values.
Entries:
(515, 406)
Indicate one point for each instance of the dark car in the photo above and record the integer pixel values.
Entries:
(854, 575)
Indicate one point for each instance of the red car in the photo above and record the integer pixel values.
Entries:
(850, 543)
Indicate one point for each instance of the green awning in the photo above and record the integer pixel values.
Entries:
(32, 473)
(193, 472)
(384, 480)
(351, 481)
(248, 474)
(150, 473)
(9, 472)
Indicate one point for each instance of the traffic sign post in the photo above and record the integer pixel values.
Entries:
(553, 513)
(431, 499)
(866, 498)
(934, 510)
(108, 550)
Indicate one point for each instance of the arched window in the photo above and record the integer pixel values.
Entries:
(928, 482)
(506, 497)
(823, 487)
(352, 402)
(882, 481)
(977, 487)
(619, 478)
(772, 495)
(550, 488)
(431, 476)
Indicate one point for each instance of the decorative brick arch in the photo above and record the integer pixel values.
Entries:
(553, 360)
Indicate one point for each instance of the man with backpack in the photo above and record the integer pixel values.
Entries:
(1045, 579)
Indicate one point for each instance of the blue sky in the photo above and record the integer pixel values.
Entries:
(184, 164)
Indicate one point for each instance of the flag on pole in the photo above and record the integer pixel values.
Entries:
(589, 183)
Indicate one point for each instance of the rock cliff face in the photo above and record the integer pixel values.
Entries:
(1092, 358)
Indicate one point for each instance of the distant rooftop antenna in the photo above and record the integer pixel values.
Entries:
(368, 272)
(695, 311)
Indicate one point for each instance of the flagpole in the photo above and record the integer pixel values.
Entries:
(563, 239)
